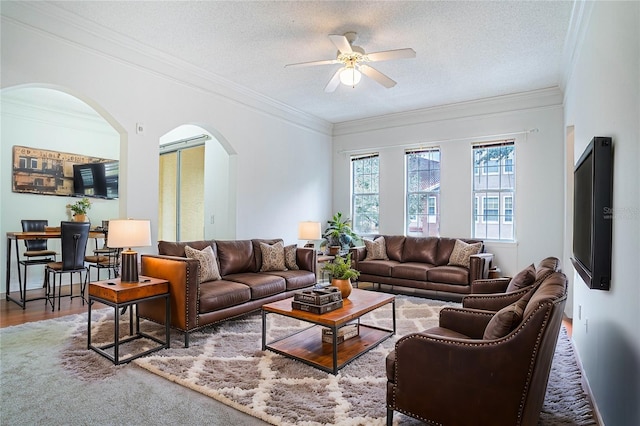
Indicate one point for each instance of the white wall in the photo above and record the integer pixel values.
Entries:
(283, 159)
(539, 167)
(603, 99)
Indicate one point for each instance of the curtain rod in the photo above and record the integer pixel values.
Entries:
(421, 144)
(202, 137)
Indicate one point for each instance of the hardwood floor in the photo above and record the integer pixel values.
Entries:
(37, 310)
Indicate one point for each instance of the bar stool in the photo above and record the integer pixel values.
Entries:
(37, 253)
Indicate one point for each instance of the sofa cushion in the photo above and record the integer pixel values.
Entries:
(208, 262)
(296, 279)
(235, 256)
(419, 249)
(272, 257)
(449, 275)
(507, 319)
(377, 267)
(376, 250)
(395, 245)
(261, 285)
(462, 252)
(216, 295)
(411, 271)
(290, 254)
(172, 248)
(522, 279)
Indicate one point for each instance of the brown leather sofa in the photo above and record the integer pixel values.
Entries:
(480, 367)
(242, 289)
(420, 266)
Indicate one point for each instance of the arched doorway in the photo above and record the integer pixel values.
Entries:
(53, 119)
(197, 177)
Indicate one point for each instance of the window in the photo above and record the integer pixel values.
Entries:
(508, 209)
(494, 190)
(423, 192)
(365, 177)
(491, 211)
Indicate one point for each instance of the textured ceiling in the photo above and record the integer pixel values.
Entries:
(465, 50)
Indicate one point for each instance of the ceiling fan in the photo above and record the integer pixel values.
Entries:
(354, 61)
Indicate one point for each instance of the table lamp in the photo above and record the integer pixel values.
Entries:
(309, 231)
(127, 233)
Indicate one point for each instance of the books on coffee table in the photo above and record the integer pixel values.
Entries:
(344, 333)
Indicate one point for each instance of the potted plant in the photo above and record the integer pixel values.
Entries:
(339, 232)
(79, 209)
(341, 274)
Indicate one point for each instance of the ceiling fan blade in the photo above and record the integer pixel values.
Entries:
(332, 85)
(376, 75)
(341, 43)
(391, 54)
(312, 63)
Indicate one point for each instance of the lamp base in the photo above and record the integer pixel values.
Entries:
(129, 267)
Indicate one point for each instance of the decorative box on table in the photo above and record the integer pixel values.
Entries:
(317, 301)
(319, 296)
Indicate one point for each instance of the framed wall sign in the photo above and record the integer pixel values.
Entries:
(40, 171)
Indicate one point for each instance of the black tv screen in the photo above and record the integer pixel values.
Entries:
(593, 213)
(96, 180)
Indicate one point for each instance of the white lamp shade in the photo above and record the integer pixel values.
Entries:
(350, 76)
(309, 231)
(129, 233)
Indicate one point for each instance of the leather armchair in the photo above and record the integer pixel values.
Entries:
(501, 285)
(454, 375)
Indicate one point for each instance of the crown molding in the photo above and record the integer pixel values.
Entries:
(542, 98)
(59, 24)
(580, 15)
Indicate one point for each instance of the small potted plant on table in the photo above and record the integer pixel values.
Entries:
(79, 209)
(339, 234)
(341, 274)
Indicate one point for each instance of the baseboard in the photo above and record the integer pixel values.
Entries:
(586, 387)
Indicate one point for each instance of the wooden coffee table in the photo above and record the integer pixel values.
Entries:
(306, 345)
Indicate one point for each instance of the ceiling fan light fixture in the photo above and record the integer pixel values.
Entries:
(350, 76)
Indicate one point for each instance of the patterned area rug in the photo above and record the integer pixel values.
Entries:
(226, 362)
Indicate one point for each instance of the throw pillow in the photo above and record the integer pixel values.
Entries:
(462, 252)
(290, 257)
(272, 257)
(208, 263)
(522, 279)
(376, 249)
(505, 320)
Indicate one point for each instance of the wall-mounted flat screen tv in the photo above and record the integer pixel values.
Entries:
(593, 213)
(98, 180)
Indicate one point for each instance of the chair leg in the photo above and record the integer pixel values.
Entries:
(389, 417)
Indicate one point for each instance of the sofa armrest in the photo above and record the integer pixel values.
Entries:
(470, 322)
(357, 254)
(488, 286)
(479, 265)
(306, 259)
(184, 282)
(493, 302)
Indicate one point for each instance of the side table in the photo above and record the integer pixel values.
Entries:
(121, 295)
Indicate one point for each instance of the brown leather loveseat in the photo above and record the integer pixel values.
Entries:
(496, 361)
(422, 266)
(243, 285)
